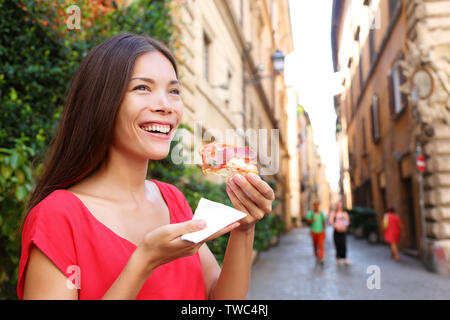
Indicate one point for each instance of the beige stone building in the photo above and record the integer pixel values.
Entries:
(231, 89)
(394, 106)
(428, 51)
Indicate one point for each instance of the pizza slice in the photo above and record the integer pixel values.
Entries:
(227, 160)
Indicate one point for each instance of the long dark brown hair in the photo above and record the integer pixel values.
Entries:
(87, 123)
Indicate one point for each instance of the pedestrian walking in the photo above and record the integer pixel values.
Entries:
(94, 215)
(340, 221)
(316, 220)
(393, 229)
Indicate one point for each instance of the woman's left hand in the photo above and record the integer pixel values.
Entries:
(251, 195)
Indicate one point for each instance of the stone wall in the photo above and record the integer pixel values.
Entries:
(429, 47)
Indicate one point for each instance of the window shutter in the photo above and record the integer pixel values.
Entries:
(403, 80)
(375, 120)
(391, 92)
(364, 141)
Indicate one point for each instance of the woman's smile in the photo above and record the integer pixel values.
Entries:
(158, 129)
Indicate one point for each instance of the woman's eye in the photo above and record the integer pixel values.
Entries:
(141, 88)
(175, 91)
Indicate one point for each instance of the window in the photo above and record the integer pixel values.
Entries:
(352, 104)
(348, 115)
(229, 92)
(352, 152)
(372, 45)
(375, 120)
(206, 56)
(398, 100)
(364, 142)
(361, 73)
(338, 125)
(349, 64)
(358, 29)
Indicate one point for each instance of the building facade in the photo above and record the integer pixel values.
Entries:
(377, 48)
(428, 48)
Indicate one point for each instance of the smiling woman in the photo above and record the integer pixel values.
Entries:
(152, 102)
(96, 228)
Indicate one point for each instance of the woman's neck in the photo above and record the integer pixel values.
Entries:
(121, 177)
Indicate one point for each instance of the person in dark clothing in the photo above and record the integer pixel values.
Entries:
(340, 221)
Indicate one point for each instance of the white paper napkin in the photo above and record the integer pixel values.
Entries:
(216, 215)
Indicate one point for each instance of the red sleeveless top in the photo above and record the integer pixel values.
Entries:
(92, 256)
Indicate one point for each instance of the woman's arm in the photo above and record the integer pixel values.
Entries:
(43, 280)
(232, 281)
(254, 197)
(347, 217)
(130, 280)
(385, 222)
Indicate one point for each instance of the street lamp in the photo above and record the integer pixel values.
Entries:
(278, 61)
(278, 67)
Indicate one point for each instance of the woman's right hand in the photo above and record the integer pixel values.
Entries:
(164, 244)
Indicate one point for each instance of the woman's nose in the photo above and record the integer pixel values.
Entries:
(162, 104)
(165, 108)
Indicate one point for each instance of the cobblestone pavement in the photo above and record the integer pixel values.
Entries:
(289, 271)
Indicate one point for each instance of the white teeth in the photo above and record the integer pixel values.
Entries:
(157, 127)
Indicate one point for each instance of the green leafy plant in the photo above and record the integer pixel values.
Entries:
(39, 56)
(16, 182)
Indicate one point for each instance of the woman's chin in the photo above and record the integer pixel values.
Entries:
(156, 158)
(157, 155)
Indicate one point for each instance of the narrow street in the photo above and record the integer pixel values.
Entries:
(288, 271)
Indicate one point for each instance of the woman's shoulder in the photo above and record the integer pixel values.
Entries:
(175, 199)
(168, 188)
(59, 204)
(391, 215)
(58, 198)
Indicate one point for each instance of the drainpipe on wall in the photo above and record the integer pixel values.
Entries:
(422, 209)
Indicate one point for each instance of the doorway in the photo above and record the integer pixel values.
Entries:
(408, 201)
